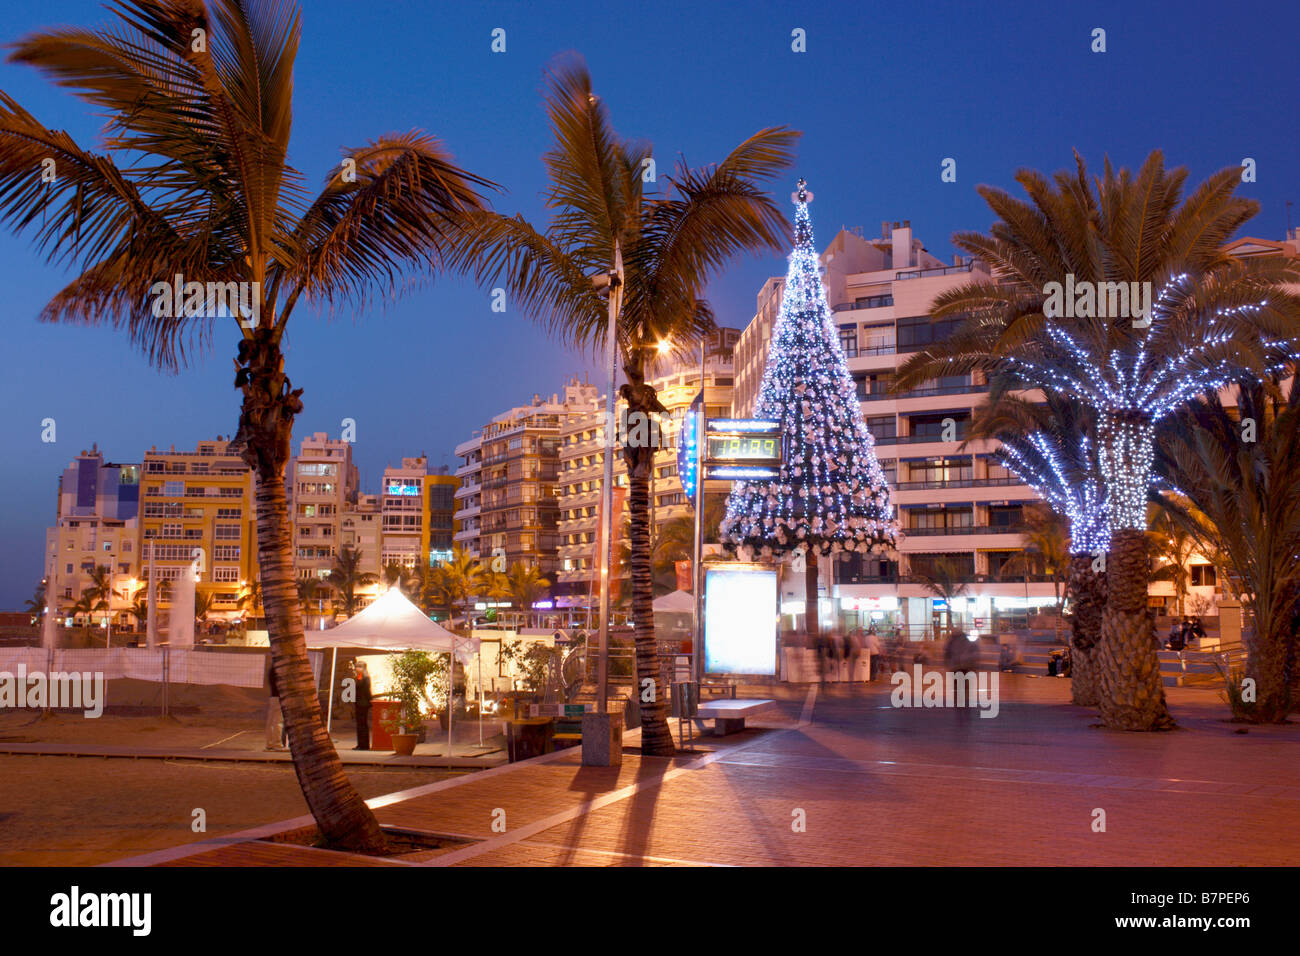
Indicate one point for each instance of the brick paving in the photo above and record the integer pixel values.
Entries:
(876, 785)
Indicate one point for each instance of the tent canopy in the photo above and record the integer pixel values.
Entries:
(393, 623)
(679, 602)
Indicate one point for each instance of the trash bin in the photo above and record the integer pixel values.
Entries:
(685, 700)
(528, 737)
(382, 711)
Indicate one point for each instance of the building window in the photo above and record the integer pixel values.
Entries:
(849, 341)
(225, 574)
(1203, 576)
(174, 489)
(882, 426)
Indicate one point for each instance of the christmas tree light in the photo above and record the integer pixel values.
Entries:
(1132, 388)
(831, 494)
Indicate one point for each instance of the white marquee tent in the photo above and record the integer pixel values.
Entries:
(393, 624)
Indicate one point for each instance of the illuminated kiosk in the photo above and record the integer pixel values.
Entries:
(741, 637)
(740, 630)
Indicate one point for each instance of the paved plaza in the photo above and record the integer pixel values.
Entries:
(837, 776)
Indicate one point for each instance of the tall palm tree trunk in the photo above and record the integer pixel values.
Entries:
(1267, 652)
(1089, 590)
(1131, 695)
(263, 441)
(656, 738)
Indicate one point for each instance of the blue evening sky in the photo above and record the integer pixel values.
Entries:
(882, 95)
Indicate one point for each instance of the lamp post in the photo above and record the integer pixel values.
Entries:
(697, 570)
(614, 282)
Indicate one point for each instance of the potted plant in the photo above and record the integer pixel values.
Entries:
(412, 672)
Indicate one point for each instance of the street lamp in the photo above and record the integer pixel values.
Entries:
(613, 281)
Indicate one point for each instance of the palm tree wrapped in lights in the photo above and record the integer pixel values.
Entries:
(1048, 446)
(1213, 320)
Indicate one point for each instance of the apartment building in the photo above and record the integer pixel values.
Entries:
(677, 382)
(198, 505)
(954, 503)
(469, 494)
(324, 482)
(519, 498)
(404, 520)
(440, 506)
(96, 525)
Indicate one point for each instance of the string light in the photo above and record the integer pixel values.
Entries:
(830, 495)
(1132, 389)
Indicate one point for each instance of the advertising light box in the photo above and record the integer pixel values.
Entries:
(740, 619)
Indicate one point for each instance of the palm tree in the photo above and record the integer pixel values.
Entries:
(202, 606)
(1241, 500)
(524, 585)
(676, 541)
(100, 591)
(1046, 551)
(664, 249)
(140, 607)
(1051, 446)
(310, 594)
(1172, 543)
(199, 104)
(460, 581)
(1211, 317)
(396, 575)
(346, 577)
(83, 607)
(36, 603)
(944, 578)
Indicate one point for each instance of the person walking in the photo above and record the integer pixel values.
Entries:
(362, 705)
(275, 731)
(871, 644)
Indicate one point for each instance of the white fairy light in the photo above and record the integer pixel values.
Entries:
(831, 493)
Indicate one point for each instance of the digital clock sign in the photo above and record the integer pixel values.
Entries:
(750, 449)
(743, 448)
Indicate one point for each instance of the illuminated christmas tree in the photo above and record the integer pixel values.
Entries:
(830, 495)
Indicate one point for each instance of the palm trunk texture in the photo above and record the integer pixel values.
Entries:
(1089, 590)
(1131, 694)
(263, 441)
(656, 737)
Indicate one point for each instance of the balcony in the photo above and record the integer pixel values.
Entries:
(935, 271)
(865, 302)
(969, 529)
(957, 483)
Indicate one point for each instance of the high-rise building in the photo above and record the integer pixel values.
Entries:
(469, 495)
(324, 482)
(198, 506)
(96, 526)
(403, 508)
(677, 383)
(520, 466)
(440, 507)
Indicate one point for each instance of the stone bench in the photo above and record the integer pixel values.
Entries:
(728, 716)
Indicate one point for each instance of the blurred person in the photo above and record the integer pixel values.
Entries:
(275, 729)
(853, 651)
(362, 706)
(871, 643)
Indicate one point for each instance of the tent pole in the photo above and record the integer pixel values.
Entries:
(451, 686)
(329, 712)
